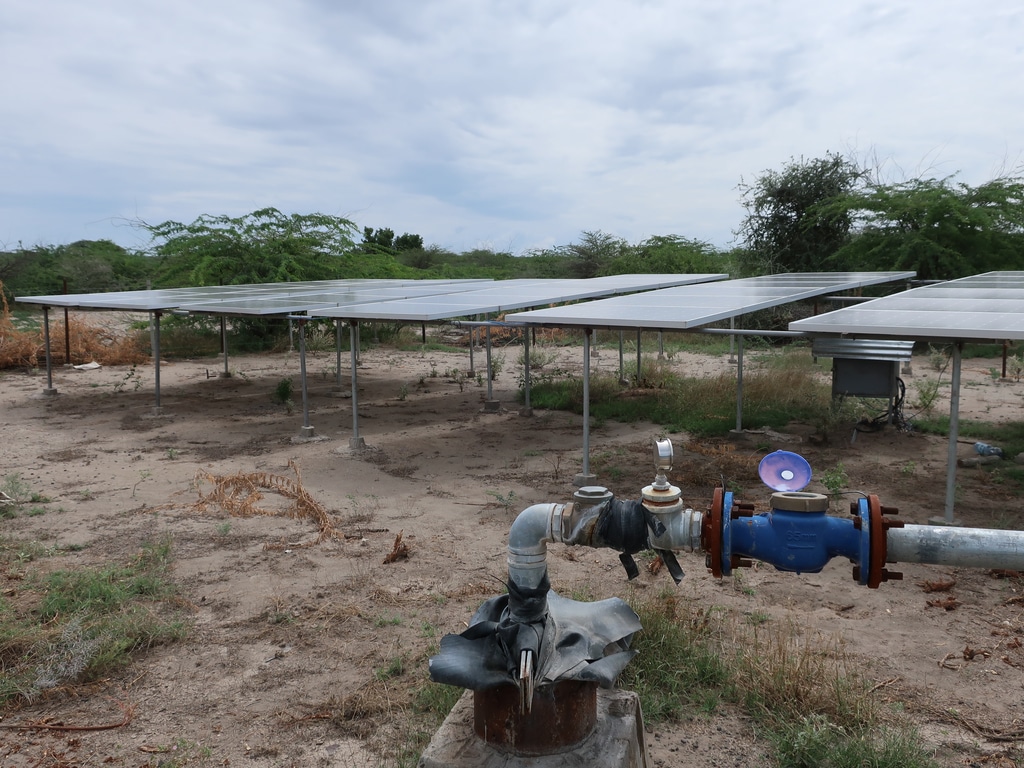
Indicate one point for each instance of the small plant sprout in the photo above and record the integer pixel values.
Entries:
(143, 474)
(283, 393)
(506, 500)
(835, 479)
(131, 377)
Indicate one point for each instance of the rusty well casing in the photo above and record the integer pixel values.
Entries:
(563, 714)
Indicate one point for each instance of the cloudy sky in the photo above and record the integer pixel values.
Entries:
(508, 124)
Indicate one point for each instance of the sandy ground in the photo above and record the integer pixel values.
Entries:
(287, 629)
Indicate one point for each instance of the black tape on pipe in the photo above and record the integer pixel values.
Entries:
(624, 526)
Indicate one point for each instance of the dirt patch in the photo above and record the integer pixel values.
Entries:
(306, 647)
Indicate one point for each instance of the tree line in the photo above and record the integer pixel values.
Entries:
(822, 214)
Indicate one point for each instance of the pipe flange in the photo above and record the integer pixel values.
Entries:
(879, 545)
(711, 534)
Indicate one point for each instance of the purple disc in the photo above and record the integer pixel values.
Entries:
(784, 471)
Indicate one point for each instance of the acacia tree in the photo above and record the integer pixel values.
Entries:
(939, 228)
(265, 246)
(786, 228)
(593, 253)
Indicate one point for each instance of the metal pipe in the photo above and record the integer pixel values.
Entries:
(954, 431)
(621, 375)
(739, 384)
(526, 371)
(353, 325)
(68, 331)
(586, 402)
(49, 357)
(963, 547)
(639, 354)
(527, 543)
(302, 375)
(682, 531)
(337, 345)
(224, 343)
(490, 371)
(156, 358)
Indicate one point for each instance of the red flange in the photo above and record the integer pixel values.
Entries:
(711, 533)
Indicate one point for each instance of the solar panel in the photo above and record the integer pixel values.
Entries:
(277, 304)
(691, 306)
(986, 306)
(174, 298)
(504, 296)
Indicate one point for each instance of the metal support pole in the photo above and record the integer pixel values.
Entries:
(622, 373)
(49, 391)
(307, 430)
(739, 385)
(337, 345)
(224, 344)
(156, 359)
(491, 405)
(526, 374)
(67, 329)
(472, 371)
(585, 478)
(489, 373)
(639, 350)
(954, 432)
(661, 345)
(355, 442)
(732, 341)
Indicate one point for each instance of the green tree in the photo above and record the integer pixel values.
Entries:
(265, 246)
(407, 242)
(939, 228)
(380, 240)
(88, 266)
(786, 227)
(667, 254)
(593, 253)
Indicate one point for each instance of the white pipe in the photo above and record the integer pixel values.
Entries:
(963, 547)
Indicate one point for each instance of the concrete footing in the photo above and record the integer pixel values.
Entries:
(617, 740)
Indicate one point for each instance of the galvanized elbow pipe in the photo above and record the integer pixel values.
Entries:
(527, 542)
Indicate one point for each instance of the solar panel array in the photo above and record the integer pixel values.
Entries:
(987, 306)
(504, 296)
(691, 306)
(252, 296)
(371, 299)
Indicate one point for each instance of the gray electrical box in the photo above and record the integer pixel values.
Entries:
(864, 378)
(864, 367)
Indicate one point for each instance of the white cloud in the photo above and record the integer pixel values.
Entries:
(508, 124)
